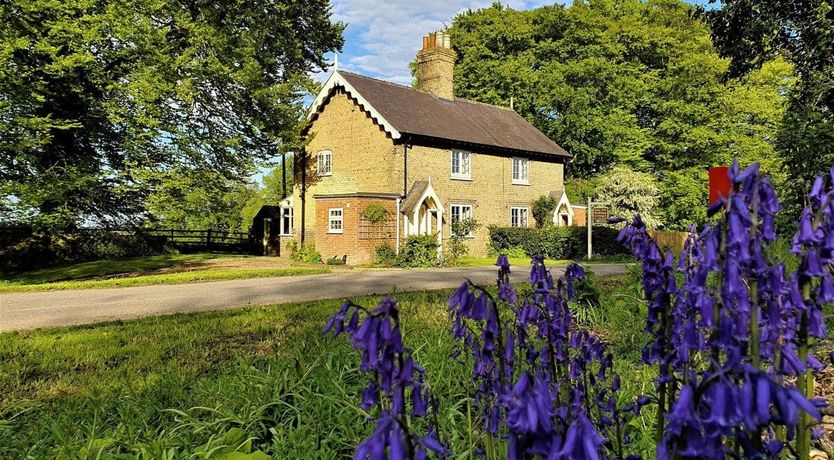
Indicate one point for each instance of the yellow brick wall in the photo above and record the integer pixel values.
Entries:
(364, 158)
(491, 189)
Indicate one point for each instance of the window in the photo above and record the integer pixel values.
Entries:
(324, 163)
(460, 212)
(521, 171)
(286, 222)
(334, 221)
(518, 217)
(461, 164)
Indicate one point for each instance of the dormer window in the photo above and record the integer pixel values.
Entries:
(521, 171)
(324, 163)
(461, 165)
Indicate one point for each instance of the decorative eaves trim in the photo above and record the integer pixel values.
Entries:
(337, 80)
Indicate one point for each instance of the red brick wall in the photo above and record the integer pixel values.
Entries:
(358, 248)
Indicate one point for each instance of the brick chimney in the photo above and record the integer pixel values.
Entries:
(436, 65)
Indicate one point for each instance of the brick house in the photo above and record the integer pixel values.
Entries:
(425, 156)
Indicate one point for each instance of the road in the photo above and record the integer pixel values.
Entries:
(31, 310)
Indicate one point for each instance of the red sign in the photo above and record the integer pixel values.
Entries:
(719, 183)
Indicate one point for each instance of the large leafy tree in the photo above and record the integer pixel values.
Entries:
(101, 101)
(751, 33)
(629, 82)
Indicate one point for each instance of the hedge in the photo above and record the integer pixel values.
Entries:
(556, 242)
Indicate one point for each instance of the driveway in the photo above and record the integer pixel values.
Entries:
(30, 310)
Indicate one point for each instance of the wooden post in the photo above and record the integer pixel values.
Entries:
(590, 218)
(208, 238)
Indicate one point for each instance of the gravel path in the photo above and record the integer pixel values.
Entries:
(30, 310)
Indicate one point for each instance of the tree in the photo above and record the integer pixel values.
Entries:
(101, 99)
(628, 193)
(628, 82)
(542, 208)
(751, 33)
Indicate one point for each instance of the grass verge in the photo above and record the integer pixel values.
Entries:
(469, 261)
(176, 386)
(195, 276)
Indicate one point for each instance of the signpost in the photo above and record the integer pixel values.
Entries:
(595, 214)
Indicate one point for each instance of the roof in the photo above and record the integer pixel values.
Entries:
(414, 194)
(402, 110)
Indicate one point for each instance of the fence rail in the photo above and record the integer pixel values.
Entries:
(669, 240)
(200, 237)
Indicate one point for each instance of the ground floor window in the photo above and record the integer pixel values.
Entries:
(286, 221)
(335, 220)
(460, 212)
(518, 217)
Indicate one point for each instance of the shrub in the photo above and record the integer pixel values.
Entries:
(541, 209)
(335, 261)
(303, 253)
(460, 231)
(386, 255)
(375, 213)
(555, 242)
(418, 251)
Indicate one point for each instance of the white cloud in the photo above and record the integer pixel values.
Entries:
(384, 35)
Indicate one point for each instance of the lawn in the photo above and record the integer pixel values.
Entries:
(182, 385)
(161, 269)
(470, 261)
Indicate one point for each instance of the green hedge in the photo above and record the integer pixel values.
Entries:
(556, 242)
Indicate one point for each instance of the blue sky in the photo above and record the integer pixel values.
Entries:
(382, 36)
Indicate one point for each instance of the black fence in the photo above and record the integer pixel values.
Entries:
(199, 239)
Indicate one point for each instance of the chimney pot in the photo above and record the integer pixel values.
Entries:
(425, 42)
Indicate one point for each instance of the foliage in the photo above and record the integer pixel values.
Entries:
(735, 341)
(683, 199)
(563, 243)
(193, 201)
(560, 398)
(461, 230)
(580, 190)
(628, 193)
(44, 250)
(335, 261)
(542, 209)
(375, 213)
(629, 82)
(303, 253)
(419, 251)
(386, 255)
(102, 98)
(802, 32)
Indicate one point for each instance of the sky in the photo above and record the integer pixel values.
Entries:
(382, 36)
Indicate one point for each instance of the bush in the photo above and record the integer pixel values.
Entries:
(461, 229)
(336, 261)
(541, 209)
(38, 251)
(386, 255)
(303, 253)
(555, 242)
(418, 251)
(375, 213)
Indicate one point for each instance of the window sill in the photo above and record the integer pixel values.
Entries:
(515, 182)
(334, 232)
(465, 178)
(325, 174)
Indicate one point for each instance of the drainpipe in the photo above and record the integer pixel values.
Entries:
(303, 193)
(405, 169)
(398, 225)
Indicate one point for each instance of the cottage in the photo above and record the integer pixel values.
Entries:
(419, 157)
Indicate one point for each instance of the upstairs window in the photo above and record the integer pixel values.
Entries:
(324, 163)
(461, 164)
(334, 221)
(518, 217)
(460, 212)
(521, 171)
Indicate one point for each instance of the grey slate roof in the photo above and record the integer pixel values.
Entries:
(414, 194)
(422, 114)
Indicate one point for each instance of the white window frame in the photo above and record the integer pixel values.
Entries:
(320, 162)
(519, 215)
(331, 219)
(464, 164)
(455, 216)
(521, 174)
(283, 231)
